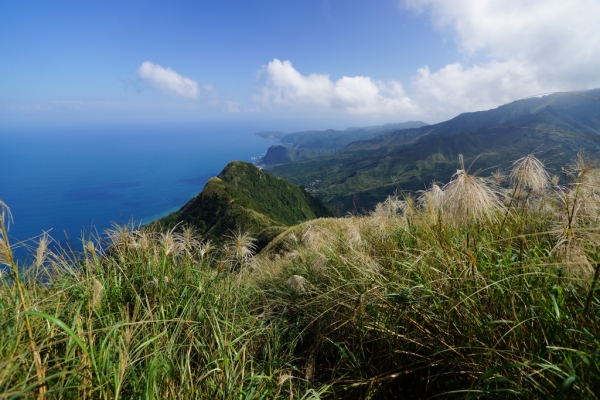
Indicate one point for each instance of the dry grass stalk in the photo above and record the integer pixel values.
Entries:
(188, 239)
(240, 248)
(5, 253)
(432, 199)
(97, 293)
(42, 251)
(469, 198)
(498, 177)
(5, 215)
(529, 173)
(6, 257)
(168, 241)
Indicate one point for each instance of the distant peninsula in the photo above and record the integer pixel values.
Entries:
(303, 145)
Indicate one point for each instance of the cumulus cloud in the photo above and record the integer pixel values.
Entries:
(287, 87)
(509, 49)
(168, 81)
(455, 88)
(528, 47)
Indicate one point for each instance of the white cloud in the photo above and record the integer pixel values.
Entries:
(455, 88)
(529, 47)
(286, 87)
(168, 81)
(510, 49)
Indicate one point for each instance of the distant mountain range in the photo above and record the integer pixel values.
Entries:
(299, 146)
(354, 174)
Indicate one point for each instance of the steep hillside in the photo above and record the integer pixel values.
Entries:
(244, 197)
(362, 174)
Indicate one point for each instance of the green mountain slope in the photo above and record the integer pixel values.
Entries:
(244, 197)
(365, 172)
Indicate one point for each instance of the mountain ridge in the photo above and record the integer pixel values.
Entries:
(244, 198)
(364, 172)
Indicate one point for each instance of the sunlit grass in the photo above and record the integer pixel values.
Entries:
(454, 294)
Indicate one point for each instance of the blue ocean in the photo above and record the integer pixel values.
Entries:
(74, 181)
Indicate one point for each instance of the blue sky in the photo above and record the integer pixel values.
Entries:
(313, 62)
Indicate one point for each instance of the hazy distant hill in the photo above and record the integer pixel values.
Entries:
(299, 146)
(244, 197)
(366, 171)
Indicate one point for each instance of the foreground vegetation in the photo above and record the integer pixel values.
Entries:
(468, 290)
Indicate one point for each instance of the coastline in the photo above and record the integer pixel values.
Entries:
(156, 217)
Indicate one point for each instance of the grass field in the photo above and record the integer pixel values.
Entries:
(473, 289)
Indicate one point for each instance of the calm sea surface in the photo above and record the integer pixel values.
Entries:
(76, 180)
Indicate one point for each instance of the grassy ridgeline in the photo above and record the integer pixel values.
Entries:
(469, 291)
(244, 198)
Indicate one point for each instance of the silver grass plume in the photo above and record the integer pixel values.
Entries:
(97, 293)
(188, 240)
(204, 249)
(384, 217)
(498, 177)
(144, 240)
(42, 250)
(121, 235)
(168, 241)
(432, 199)
(529, 173)
(580, 209)
(6, 256)
(240, 247)
(469, 198)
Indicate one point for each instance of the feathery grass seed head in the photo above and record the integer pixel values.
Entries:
(97, 294)
(467, 197)
(529, 172)
(498, 177)
(432, 199)
(42, 250)
(240, 247)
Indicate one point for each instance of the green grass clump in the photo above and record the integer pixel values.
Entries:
(418, 299)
